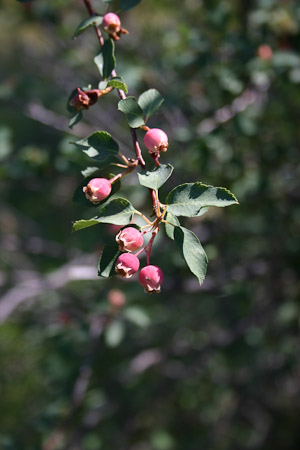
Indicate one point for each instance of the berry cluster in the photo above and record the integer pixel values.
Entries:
(121, 255)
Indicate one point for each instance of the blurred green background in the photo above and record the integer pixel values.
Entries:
(212, 367)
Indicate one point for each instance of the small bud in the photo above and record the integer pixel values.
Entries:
(129, 239)
(127, 265)
(116, 298)
(264, 52)
(156, 141)
(97, 190)
(151, 278)
(112, 25)
(85, 99)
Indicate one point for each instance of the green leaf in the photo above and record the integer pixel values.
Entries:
(188, 199)
(75, 119)
(84, 223)
(192, 251)
(156, 178)
(132, 111)
(116, 82)
(150, 102)
(114, 333)
(137, 316)
(99, 145)
(117, 211)
(107, 260)
(170, 228)
(105, 60)
(90, 22)
(128, 4)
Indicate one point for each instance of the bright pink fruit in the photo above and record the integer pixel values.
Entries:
(151, 278)
(127, 264)
(129, 239)
(156, 141)
(111, 22)
(97, 190)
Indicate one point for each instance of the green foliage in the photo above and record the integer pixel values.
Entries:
(75, 119)
(150, 101)
(218, 365)
(107, 260)
(116, 82)
(132, 111)
(117, 211)
(128, 4)
(188, 199)
(99, 146)
(105, 60)
(155, 178)
(87, 23)
(170, 226)
(192, 251)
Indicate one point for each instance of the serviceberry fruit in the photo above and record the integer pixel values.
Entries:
(156, 141)
(111, 23)
(127, 265)
(129, 239)
(151, 278)
(97, 190)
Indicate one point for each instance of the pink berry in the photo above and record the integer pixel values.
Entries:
(156, 141)
(116, 298)
(127, 265)
(97, 190)
(111, 23)
(151, 278)
(129, 239)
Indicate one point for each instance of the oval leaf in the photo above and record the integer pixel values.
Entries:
(150, 102)
(192, 251)
(154, 179)
(128, 4)
(90, 22)
(170, 228)
(107, 260)
(117, 211)
(105, 60)
(114, 333)
(132, 111)
(188, 199)
(99, 145)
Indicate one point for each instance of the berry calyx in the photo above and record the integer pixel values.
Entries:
(97, 190)
(85, 99)
(111, 23)
(127, 265)
(156, 141)
(129, 239)
(151, 278)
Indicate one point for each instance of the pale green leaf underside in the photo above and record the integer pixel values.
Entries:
(154, 179)
(192, 251)
(188, 199)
